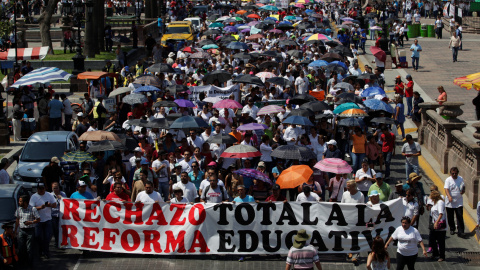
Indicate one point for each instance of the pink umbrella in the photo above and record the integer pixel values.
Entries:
(253, 23)
(299, 6)
(227, 103)
(270, 109)
(276, 31)
(334, 165)
(265, 75)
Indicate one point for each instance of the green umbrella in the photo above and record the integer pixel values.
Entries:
(238, 19)
(210, 46)
(216, 25)
(270, 8)
(290, 18)
(345, 106)
(79, 156)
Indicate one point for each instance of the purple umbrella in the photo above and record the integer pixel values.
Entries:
(245, 30)
(252, 23)
(276, 31)
(254, 174)
(252, 126)
(230, 29)
(184, 103)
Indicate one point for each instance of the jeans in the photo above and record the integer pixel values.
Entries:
(402, 129)
(68, 122)
(387, 160)
(55, 222)
(409, 168)
(43, 233)
(409, 105)
(163, 189)
(357, 161)
(415, 62)
(26, 243)
(362, 46)
(372, 34)
(451, 219)
(438, 238)
(55, 123)
(409, 261)
(455, 53)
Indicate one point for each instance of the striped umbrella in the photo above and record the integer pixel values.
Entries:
(254, 174)
(270, 109)
(228, 103)
(240, 151)
(79, 156)
(43, 76)
(353, 113)
(468, 82)
(319, 37)
(333, 165)
(252, 126)
(294, 152)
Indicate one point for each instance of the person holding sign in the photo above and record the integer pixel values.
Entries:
(301, 255)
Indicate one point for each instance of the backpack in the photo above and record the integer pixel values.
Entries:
(222, 190)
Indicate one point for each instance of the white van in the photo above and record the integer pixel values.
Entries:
(37, 153)
(196, 23)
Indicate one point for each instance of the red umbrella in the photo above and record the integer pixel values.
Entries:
(378, 53)
(241, 151)
(254, 36)
(254, 16)
(189, 50)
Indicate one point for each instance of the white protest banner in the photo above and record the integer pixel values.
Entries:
(214, 91)
(263, 228)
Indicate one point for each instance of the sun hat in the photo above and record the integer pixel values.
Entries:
(374, 193)
(300, 239)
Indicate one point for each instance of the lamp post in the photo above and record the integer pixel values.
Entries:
(89, 40)
(384, 39)
(78, 59)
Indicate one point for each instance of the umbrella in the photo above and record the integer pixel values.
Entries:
(228, 38)
(276, 31)
(240, 151)
(270, 8)
(372, 91)
(304, 25)
(189, 49)
(349, 97)
(270, 109)
(228, 104)
(345, 106)
(271, 54)
(213, 17)
(348, 78)
(265, 75)
(353, 113)
(158, 123)
(252, 126)
(290, 18)
(378, 53)
(329, 57)
(212, 100)
(343, 85)
(468, 82)
(293, 152)
(298, 120)
(216, 25)
(165, 103)
(315, 106)
(42, 75)
(303, 98)
(254, 16)
(222, 138)
(301, 112)
(285, 26)
(79, 156)
(280, 81)
(319, 37)
(210, 46)
(254, 174)
(288, 42)
(332, 43)
(294, 176)
(248, 79)
(119, 91)
(339, 63)
(323, 115)
(335, 67)
(177, 88)
(200, 55)
(138, 122)
(241, 12)
(243, 55)
(218, 75)
(351, 122)
(342, 50)
(235, 45)
(102, 146)
(206, 42)
(99, 135)
(134, 99)
(318, 63)
(367, 76)
(230, 29)
(333, 165)
(383, 120)
(185, 103)
(268, 65)
(146, 88)
(148, 80)
(254, 36)
(188, 122)
(378, 105)
(121, 39)
(375, 28)
(210, 32)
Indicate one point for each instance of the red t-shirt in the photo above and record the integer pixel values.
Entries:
(118, 198)
(280, 198)
(388, 142)
(409, 89)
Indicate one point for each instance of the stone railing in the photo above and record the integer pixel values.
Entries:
(441, 134)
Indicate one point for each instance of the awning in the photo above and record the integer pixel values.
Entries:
(37, 53)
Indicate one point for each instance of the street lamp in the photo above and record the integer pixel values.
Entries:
(78, 59)
(89, 39)
(66, 8)
(383, 42)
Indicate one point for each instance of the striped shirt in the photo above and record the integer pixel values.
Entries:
(302, 258)
(27, 214)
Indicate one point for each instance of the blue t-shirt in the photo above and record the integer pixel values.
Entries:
(85, 196)
(247, 198)
(199, 179)
(401, 113)
(56, 107)
(415, 52)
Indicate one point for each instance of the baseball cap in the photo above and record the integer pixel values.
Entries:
(178, 165)
(81, 183)
(80, 114)
(276, 187)
(379, 175)
(130, 114)
(212, 163)
(137, 149)
(177, 188)
(261, 164)
(55, 160)
(332, 142)
(374, 193)
(399, 183)
(288, 70)
(144, 162)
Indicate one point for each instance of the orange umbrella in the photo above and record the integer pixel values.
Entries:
(353, 113)
(241, 12)
(294, 176)
(254, 16)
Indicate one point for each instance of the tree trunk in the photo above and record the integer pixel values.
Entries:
(154, 9)
(99, 21)
(44, 22)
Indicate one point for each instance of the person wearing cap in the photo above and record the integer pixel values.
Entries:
(82, 193)
(380, 186)
(178, 196)
(411, 150)
(307, 195)
(374, 198)
(276, 195)
(399, 191)
(412, 207)
(332, 150)
(52, 173)
(118, 195)
(8, 255)
(137, 153)
(26, 217)
(80, 125)
(189, 190)
(302, 255)
(43, 202)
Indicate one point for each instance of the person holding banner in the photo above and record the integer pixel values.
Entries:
(118, 195)
(301, 255)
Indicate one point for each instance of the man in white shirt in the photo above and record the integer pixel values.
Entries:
(354, 70)
(67, 112)
(307, 195)
(291, 135)
(352, 195)
(44, 202)
(301, 84)
(417, 17)
(186, 163)
(149, 195)
(178, 135)
(188, 188)
(454, 189)
(194, 140)
(251, 109)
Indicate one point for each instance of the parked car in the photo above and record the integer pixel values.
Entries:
(37, 153)
(196, 22)
(9, 195)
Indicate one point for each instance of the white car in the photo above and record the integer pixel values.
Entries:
(37, 153)
(196, 23)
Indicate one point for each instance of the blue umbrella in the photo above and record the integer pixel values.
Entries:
(230, 29)
(318, 63)
(210, 46)
(285, 22)
(146, 88)
(188, 122)
(271, 18)
(308, 11)
(351, 122)
(298, 120)
(340, 63)
(372, 91)
(269, 7)
(378, 105)
(235, 45)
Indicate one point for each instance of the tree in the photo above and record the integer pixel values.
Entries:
(44, 22)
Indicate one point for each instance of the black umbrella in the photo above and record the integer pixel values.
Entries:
(342, 50)
(306, 61)
(206, 42)
(271, 22)
(315, 106)
(165, 103)
(188, 122)
(262, 26)
(288, 42)
(295, 53)
(302, 112)
(129, 142)
(228, 38)
(161, 67)
(280, 81)
(323, 115)
(351, 122)
(268, 64)
(249, 79)
(303, 98)
(332, 43)
(318, 41)
(222, 138)
(210, 32)
(158, 123)
(367, 76)
(138, 122)
(285, 26)
(335, 67)
(244, 56)
(270, 54)
(305, 25)
(218, 75)
(293, 152)
(250, 7)
(383, 120)
(106, 146)
(348, 78)
(316, 15)
(177, 88)
(349, 97)
(329, 57)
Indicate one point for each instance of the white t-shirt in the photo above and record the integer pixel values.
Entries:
(408, 17)
(411, 208)
(365, 184)
(436, 210)
(302, 85)
(36, 200)
(347, 197)
(205, 183)
(163, 173)
(455, 187)
(313, 197)
(184, 200)
(189, 190)
(144, 197)
(186, 165)
(407, 240)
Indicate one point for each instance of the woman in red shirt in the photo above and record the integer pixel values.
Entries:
(409, 95)
(399, 86)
